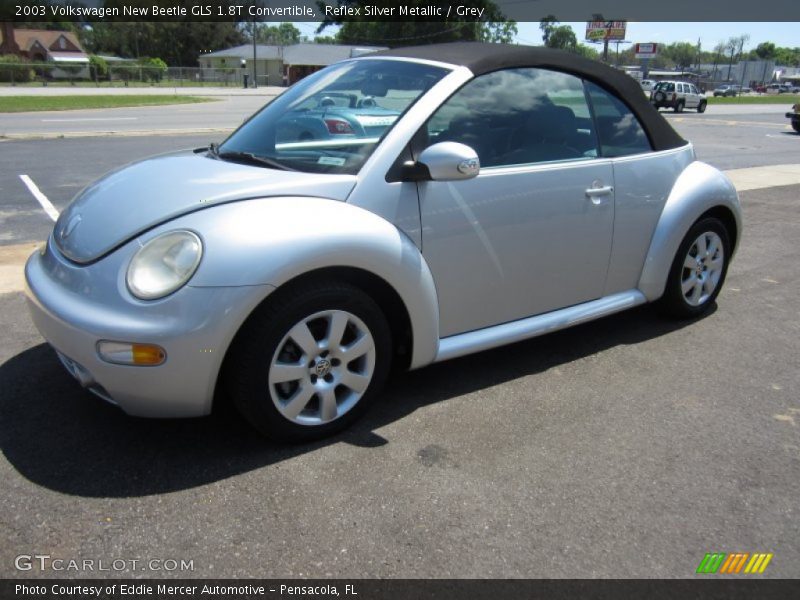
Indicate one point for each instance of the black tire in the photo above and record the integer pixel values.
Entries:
(659, 97)
(673, 303)
(796, 125)
(246, 377)
(701, 108)
(679, 106)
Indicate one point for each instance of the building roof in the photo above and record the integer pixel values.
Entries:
(263, 52)
(484, 58)
(78, 57)
(318, 55)
(25, 38)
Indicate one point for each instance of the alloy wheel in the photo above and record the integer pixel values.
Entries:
(322, 367)
(702, 268)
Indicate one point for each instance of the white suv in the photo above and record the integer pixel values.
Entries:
(677, 95)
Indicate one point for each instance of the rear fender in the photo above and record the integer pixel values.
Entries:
(698, 189)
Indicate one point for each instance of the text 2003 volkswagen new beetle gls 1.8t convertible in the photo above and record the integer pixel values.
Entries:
(488, 194)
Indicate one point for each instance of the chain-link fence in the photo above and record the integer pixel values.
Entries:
(124, 75)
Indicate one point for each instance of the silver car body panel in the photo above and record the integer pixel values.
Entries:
(74, 307)
(398, 202)
(642, 182)
(260, 243)
(447, 249)
(503, 246)
(698, 189)
(144, 194)
(523, 329)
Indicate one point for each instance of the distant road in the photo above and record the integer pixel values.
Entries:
(54, 90)
(225, 114)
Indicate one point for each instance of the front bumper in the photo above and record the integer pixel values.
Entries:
(75, 307)
(792, 116)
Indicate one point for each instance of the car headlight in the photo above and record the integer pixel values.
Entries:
(164, 264)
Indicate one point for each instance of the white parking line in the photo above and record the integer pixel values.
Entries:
(37, 193)
(89, 119)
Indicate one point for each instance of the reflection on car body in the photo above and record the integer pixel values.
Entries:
(397, 209)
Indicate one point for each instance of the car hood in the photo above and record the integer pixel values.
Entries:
(137, 197)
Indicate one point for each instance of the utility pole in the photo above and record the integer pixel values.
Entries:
(255, 81)
(697, 56)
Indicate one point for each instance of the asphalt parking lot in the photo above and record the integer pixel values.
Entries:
(627, 447)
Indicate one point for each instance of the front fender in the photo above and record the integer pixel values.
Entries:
(699, 188)
(270, 241)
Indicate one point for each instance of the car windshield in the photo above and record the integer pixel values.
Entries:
(331, 121)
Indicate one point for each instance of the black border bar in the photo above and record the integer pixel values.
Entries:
(400, 589)
(398, 10)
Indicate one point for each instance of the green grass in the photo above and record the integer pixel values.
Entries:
(37, 103)
(165, 83)
(787, 99)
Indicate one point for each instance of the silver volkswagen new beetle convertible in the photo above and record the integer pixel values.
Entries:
(467, 196)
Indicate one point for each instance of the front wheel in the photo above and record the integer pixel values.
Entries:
(701, 108)
(698, 270)
(796, 125)
(310, 361)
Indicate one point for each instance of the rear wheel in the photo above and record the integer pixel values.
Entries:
(310, 362)
(698, 270)
(679, 106)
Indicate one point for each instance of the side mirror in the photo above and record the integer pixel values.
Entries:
(446, 161)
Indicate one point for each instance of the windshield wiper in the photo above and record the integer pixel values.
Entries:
(253, 159)
(213, 147)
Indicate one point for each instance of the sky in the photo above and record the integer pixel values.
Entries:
(782, 34)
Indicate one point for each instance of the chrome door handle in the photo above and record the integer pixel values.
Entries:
(595, 193)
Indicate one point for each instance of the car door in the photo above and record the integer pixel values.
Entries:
(691, 96)
(643, 180)
(532, 232)
(698, 97)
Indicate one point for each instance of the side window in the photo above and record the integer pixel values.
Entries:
(694, 90)
(516, 117)
(619, 130)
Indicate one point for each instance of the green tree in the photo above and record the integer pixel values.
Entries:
(562, 37)
(98, 67)
(547, 25)
(15, 69)
(787, 57)
(179, 44)
(765, 50)
(681, 53)
(284, 34)
(493, 26)
(152, 69)
(586, 51)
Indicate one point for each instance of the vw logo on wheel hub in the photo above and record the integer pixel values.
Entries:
(323, 367)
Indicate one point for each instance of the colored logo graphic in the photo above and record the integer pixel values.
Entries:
(734, 563)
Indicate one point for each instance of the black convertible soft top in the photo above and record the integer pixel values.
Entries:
(483, 58)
